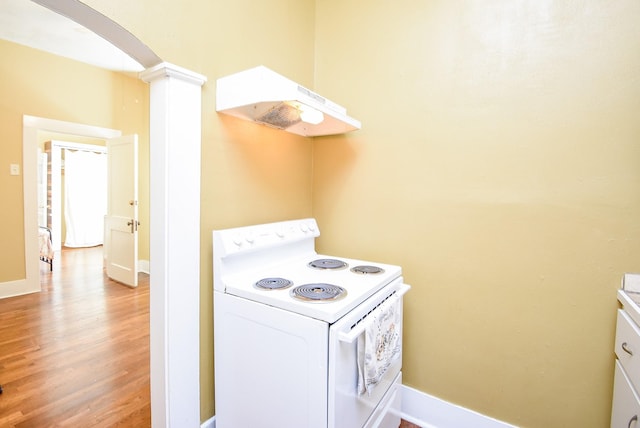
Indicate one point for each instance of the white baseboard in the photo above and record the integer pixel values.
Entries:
(428, 411)
(209, 423)
(18, 288)
(143, 266)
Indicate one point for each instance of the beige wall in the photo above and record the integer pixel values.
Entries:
(250, 174)
(497, 165)
(39, 84)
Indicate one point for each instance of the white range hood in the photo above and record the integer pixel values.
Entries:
(264, 96)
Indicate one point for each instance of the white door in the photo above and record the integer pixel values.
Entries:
(121, 221)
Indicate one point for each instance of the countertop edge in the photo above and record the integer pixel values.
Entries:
(630, 305)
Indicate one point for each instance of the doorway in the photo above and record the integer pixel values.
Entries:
(38, 129)
(175, 128)
(33, 129)
(74, 218)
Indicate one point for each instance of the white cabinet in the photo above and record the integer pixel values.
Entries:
(626, 401)
(626, 406)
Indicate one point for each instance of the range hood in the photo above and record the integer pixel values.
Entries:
(264, 96)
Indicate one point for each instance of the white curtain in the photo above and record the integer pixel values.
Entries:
(85, 199)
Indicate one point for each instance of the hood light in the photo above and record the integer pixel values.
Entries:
(310, 115)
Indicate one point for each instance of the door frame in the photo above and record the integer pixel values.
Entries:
(31, 126)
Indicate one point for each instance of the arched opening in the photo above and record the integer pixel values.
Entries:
(174, 248)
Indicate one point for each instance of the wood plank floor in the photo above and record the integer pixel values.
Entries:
(406, 424)
(76, 354)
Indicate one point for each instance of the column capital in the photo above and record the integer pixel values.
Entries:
(165, 69)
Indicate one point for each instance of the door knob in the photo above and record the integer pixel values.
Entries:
(133, 224)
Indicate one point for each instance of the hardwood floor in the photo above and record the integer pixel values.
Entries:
(77, 353)
(405, 424)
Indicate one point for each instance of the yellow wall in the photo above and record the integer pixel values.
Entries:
(250, 174)
(497, 164)
(40, 84)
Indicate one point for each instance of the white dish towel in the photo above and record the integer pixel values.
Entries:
(380, 344)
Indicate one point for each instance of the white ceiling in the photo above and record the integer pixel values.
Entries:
(27, 23)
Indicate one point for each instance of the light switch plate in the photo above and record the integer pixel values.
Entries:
(14, 169)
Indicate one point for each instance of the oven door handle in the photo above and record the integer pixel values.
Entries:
(351, 335)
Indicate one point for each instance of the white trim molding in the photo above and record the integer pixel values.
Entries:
(209, 423)
(31, 125)
(143, 266)
(19, 286)
(175, 137)
(428, 411)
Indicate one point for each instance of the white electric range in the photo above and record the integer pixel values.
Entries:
(290, 327)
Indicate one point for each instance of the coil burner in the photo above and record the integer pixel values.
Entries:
(365, 270)
(328, 264)
(273, 283)
(319, 292)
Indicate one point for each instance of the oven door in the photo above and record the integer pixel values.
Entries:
(349, 405)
